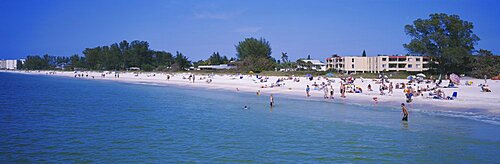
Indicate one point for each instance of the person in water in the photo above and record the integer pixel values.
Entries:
(405, 112)
(271, 100)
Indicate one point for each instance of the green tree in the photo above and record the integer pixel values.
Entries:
(216, 59)
(76, 61)
(19, 64)
(485, 63)
(254, 48)
(301, 63)
(284, 57)
(181, 62)
(255, 55)
(447, 39)
(364, 53)
(309, 65)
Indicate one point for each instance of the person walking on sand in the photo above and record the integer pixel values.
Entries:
(307, 91)
(271, 100)
(405, 112)
(193, 78)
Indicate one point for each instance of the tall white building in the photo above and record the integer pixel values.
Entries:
(376, 64)
(8, 64)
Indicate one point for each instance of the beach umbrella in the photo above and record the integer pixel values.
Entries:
(250, 72)
(309, 75)
(420, 75)
(455, 78)
(329, 74)
(409, 77)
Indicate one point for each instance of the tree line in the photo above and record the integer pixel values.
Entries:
(447, 39)
(117, 56)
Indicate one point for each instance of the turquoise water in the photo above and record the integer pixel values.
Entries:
(56, 119)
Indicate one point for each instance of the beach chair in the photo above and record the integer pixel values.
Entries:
(453, 96)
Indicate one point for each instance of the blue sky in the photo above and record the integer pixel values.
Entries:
(198, 28)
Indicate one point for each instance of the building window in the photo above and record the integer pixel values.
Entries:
(384, 59)
(383, 65)
(409, 65)
(352, 64)
(418, 65)
(352, 59)
(409, 59)
(418, 59)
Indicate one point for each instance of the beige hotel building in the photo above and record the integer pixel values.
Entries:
(377, 64)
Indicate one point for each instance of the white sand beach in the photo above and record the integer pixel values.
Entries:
(469, 97)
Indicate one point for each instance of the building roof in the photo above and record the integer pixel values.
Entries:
(314, 61)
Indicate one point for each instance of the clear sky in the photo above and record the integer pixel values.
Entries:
(198, 28)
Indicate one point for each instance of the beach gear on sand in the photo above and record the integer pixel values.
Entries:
(455, 78)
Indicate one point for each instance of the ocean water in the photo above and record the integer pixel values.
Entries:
(57, 119)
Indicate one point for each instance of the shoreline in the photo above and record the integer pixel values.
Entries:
(466, 102)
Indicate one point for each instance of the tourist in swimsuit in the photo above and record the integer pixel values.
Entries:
(405, 112)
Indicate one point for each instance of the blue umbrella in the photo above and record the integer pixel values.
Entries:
(329, 74)
(309, 75)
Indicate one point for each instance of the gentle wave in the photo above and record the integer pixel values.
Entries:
(490, 119)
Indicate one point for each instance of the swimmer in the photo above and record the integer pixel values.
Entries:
(271, 100)
(245, 107)
(405, 112)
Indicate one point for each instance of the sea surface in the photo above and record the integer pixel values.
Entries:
(46, 119)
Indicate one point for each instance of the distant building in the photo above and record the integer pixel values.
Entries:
(216, 67)
(316, 65)
(133, 69)
(8, 64)
(376, 64)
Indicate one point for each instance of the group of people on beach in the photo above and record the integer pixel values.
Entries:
(328, 91)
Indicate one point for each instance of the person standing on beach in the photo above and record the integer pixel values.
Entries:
(405, 112)
(308, 90)
(193, 78)
(325, 92)
(271, 100)
(390, 88)
(331, 92)
(381, 89)
(342, 90)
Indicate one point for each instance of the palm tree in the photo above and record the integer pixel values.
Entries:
(284, 57)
